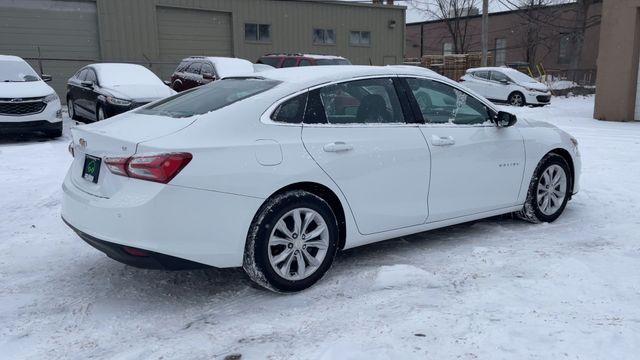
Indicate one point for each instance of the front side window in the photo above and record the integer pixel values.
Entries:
(257, 32)
(91, 76)
(360, 38)
(440, 103)
(207, 98)
(291, 111)
(482, 75)
(499, 77)
(82, 74)
(369, 101)
(324, 37)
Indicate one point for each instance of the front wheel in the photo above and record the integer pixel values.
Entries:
(71, 109)
(549, 190)
(291, 242)
(516, 99)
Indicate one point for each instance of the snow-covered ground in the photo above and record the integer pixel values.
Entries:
(493, 289)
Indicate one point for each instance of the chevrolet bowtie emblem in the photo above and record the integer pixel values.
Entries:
(83, 143)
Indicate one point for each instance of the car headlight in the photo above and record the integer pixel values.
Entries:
(120, 102)
(537, 90)
(51, 97)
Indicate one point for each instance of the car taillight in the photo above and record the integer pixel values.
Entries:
(157, 167)
(71, 149)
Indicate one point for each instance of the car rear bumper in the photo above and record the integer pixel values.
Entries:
(143, 259)
(201, 226)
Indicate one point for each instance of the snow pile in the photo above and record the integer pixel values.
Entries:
(399, 276)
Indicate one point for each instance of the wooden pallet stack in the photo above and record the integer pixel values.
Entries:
(453, 66)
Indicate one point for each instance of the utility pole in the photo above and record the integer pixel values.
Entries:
(485, 31)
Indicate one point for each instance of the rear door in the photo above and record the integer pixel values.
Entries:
(359, 133)
(475, 165)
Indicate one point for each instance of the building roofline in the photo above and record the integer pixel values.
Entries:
(350, 3)
(497, 13)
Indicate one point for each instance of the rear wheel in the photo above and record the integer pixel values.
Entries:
(549, 190)
(516, 99)
(71, 109)
(291, 242)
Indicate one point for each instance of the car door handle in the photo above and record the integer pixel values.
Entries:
(442, 141)
(337, 146)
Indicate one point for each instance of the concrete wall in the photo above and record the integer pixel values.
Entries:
(509, 25)
(618, 59)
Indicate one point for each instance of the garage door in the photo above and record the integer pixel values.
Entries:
(183, 33)
(59, 29)
(637, 115)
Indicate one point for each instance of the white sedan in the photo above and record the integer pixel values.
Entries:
(502, 84)
(277, 172)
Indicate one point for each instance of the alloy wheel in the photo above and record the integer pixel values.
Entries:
(298, 244)
(517, 100)
(551, 190)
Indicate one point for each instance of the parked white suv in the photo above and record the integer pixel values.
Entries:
(27, 104)
(502, 84)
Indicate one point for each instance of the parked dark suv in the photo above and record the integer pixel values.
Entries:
(292, 60)
(199, 70)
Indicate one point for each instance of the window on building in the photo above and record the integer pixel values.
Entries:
(501, 52)
(447, 48)
(324, 37)
(565, 52)
(360, 38)
(257, 32)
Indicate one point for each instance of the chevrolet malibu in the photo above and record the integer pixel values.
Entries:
(277, 172)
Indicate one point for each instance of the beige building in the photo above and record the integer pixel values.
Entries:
(618, 82)
(68, 34)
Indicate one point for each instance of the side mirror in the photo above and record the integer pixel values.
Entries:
(167, 82)
(208, 76)
(46, 78)
(505, 119)
(87, 84)
(504, 82)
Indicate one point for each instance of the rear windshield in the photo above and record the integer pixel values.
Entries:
(207, 98)
(332, 62)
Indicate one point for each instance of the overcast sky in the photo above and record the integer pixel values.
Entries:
(414, 15)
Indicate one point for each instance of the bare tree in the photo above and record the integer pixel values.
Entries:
(544, 24)
(455, 14)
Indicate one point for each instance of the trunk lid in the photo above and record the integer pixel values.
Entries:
(116, 137)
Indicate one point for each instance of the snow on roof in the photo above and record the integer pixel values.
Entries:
(10, 58)
(120, 73)
(312, 56)
(226, 66)
(312, 75)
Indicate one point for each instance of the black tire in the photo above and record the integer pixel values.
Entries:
(531, 211)
(256, 258)
(516, 98)
(71, 110)
(176, 86)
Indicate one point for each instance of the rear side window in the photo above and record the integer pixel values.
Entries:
(291, 111)
(271, 60)
(209, 98)
(194, 68)
(289, 62)
(207, 68)
(333, 62)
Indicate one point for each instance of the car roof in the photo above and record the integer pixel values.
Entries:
(311, 56)
(11, 58)
(492, 68)
(328, 73)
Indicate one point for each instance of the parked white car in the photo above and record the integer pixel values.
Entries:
(502, 84)
(277, 172)
(27, 103)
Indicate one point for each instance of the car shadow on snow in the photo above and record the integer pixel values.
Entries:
(108, 278)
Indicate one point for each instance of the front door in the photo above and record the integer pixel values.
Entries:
(475, 165)
(356, 132)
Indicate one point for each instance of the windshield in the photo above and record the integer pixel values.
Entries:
(519, 77)
(332, 62)
(17, 71)
(110, 75)
(214, 96)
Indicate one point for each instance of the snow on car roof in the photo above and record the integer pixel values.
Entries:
(312, 56)
(227, 66)
(315, 75)
(120, 73)
(10, 58)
